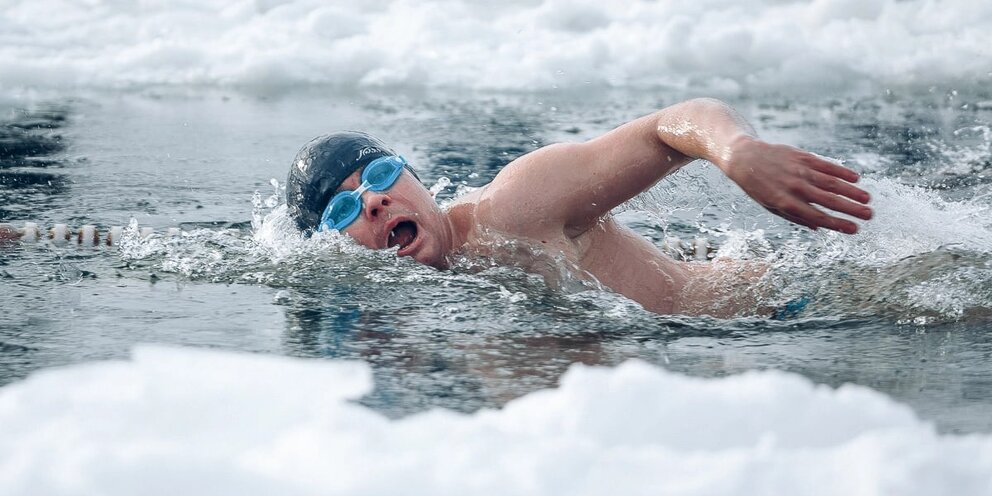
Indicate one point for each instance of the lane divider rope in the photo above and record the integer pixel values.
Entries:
(61, 234)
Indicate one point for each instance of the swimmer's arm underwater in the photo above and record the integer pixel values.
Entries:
(581, 182)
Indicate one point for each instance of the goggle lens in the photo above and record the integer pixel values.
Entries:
(345, 206)
(381, 174)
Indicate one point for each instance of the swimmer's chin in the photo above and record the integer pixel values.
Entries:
(421, 252)
(438, 262)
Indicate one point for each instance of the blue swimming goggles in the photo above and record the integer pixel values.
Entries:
(346, 206)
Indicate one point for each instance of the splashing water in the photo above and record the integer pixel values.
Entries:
(921, 255)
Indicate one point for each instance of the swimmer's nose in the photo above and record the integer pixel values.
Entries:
(375, 204)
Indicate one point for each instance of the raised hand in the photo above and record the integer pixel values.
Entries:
(788, 181)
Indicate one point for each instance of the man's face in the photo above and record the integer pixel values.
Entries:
(405, 215)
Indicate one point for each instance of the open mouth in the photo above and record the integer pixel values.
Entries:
(403, 234)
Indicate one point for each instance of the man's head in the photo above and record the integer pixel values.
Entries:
(404, 214)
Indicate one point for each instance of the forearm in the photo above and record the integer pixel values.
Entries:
(703, 128)
(785, 180)
(606, 171)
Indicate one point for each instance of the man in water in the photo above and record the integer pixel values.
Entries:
(550, 208)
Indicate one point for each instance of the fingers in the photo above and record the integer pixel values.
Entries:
(830, 186)
(794, 220)
(836, 186)
(820, 219)
(836, 170)
(837, 203)
(807, 215)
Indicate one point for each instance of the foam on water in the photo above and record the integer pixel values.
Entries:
(173, 421)
(920, 255)
(722, 46)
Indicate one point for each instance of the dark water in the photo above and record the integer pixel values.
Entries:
(903, 308)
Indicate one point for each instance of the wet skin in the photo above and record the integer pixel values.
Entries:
(549, 210)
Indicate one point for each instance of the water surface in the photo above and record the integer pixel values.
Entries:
(903, 307)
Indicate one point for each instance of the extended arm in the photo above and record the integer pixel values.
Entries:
(576, 184)
(783, 179)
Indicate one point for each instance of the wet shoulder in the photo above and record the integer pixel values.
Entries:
(511, 206)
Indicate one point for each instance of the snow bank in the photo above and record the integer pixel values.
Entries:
(713, 45)
(180, 421)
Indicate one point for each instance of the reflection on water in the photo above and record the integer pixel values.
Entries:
(902, 308)
(422, 361)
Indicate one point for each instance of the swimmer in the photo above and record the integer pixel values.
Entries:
(551, 207)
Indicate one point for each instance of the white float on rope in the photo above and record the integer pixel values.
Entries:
(62, 234)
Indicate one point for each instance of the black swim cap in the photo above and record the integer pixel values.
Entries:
(321, 166)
